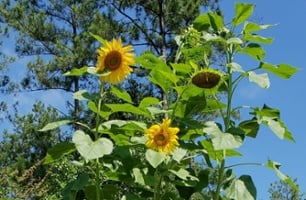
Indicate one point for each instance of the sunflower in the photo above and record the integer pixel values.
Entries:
(162, 138)
(115, 60)
(207, 78)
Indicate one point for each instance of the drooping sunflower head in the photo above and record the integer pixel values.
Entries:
(207, 78)
(162, 138)
(115, 60)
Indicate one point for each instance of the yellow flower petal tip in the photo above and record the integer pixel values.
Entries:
(115, 60)
(162, 138)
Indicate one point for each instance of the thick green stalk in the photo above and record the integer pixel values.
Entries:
(157, 187)
(227, 121)
(96, 133)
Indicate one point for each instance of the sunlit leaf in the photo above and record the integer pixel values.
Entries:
(182, 68)
(98, 38)
(128, 108)
(183, 174)
(58, 151)
(242, 12)
(148, 101)
(271, 118)
(220, 140)
(254, 50)
(84, 95)
(57, 124)
(202, 22)
(122, 94)
(275, 167)
(242, 188)
(178, 154)
(284, 71)
(216, 21)
(77, 72)
(138, 176)
(262, 80)
(91, 149)
(234, 40)
(252, 27)
(257, 38)
(166, 80)
(235, 67)
(150, 61)
(155, 158)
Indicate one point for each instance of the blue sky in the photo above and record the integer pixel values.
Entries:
(286, 95)
(289, 46)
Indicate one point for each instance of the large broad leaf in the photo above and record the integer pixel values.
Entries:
(262, 80)
(202, 22)
(155, 158)
(54, 125)
(126, 107)
(242, 188)
(282, 70)
(183, 174)
(275, 167)
(150, 61)
(166, 80)
(250, 127)
(91, 149)
(71, 189)
(148, 101)
(220, 140)
(102, 112)
(120, 93)
(254, 50)
(216, 21)
(242, 12)
(271, 118)
(58, 151)
(84, 95)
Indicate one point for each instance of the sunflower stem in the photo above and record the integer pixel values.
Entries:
(227, 121)
(157, 188)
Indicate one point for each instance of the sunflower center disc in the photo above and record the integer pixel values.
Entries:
(113, 60)
(160, 139)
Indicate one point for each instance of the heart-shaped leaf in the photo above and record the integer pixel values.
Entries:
(91, 149)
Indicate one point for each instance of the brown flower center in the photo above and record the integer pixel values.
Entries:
(113, 60)
(206, 79)
(161, 138)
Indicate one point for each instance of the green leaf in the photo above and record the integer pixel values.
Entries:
(120, 93)
(242, 12)
(54, 125)
(183, 174)
(234, 40)
(166, 80)
(250, 127)
(84, 95)
(271, 118)
(148, 101)
(71, 189)
(155, 158)
(216, 21)
(254, 50)
(235, 67)
(178, 154)
(282, 70)
(100, 39)
(275, 167)
(138, 176)
(91, 149)
(262, 80)
(242, 188)
(182, 68)
(218, 155)
(103, 113)
(58, 151)
(128, 108)
(77, 72)
(150, 61)
(202, 22)
(252, 27)
(257, 38)
(220, 140)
